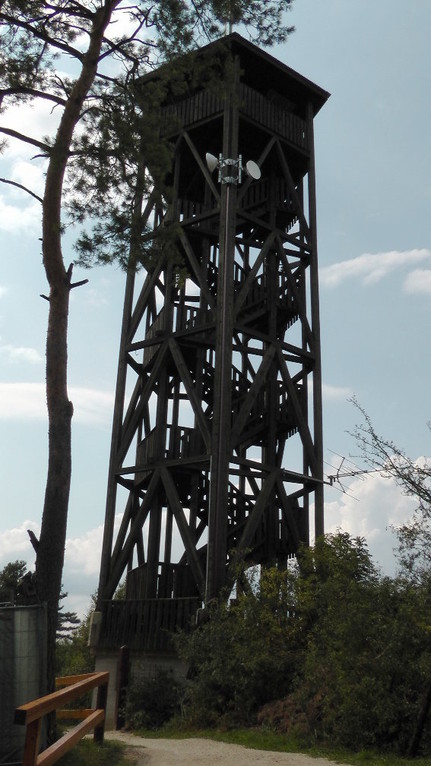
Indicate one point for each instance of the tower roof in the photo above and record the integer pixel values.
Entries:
(265, 72)
(259, 70)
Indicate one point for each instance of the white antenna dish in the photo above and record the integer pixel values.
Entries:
(253, 170)
(211, 161)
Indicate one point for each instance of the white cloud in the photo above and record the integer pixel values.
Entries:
(36, 121)
(91, 405)
(30, 175)
(95, 298)
(20, 219)
(418, 281)
(371, 267)
(19, 212)
(371, 506)
(82, 554)
(23, 401)
(81, 562)
(336, 393)
(21, 354)
(15, 544)
(82, 567)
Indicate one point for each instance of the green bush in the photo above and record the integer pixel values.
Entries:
(328, 652)
(241, 656)
(152, 700)
(365, 661)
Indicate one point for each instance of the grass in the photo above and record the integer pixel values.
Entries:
(87, 753)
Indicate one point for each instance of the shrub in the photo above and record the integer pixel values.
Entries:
(242, 655)
(152, 700)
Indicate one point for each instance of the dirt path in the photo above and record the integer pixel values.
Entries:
(205, 752)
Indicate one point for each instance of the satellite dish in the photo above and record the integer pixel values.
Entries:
(253, 170)
(211, 161)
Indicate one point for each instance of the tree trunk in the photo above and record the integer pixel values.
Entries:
(50, 552)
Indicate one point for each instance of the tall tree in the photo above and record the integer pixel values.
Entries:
(10, 577)
(414, 536)
(34, 34)
(413, 476)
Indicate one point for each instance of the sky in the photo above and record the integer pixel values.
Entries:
(373, 164)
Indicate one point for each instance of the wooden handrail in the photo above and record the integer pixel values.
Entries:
(32, 713)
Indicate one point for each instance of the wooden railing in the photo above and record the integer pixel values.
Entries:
(32, 713)
(206, 104)
(145, 624)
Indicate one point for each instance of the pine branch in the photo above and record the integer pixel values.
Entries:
(31, 92)
(23, 188)
(40, 34)
(25, 139)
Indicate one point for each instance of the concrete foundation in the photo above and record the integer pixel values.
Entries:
(141, 665)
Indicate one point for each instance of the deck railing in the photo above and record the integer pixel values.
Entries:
(206, 105)
(145, 624)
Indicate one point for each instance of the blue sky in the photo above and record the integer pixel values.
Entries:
(373, 156)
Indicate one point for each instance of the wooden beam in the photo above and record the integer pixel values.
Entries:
(294, 290)
(205, 171)
(119, 565)
(256, 514)
(260, 160)
(191, 393)
(242, 295)
(250, 397)
(197, 270)
(298, 206)
(286, 509)
(134, 417)
(184, 529)
(68, 740)
(304, 430)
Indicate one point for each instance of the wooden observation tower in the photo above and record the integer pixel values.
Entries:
(217, 438)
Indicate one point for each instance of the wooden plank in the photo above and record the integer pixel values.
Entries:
(198, 270)
(119, 565)
(295, 292)
(65, 743)
(31, 745)
(240, 299)
(298, 206)
(304, 430)
(287, 514)
(250, 398)
(35, 709)
(185, 531)
(315, 321)
(69, 680)
(129, 429)
(256, 514)
(203, 168)
(191, 393)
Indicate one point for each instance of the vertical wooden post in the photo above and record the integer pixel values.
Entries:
(108, 530)
(122, 683)
(315, 319)
(31, 746)
(101, 700)
(221, 428)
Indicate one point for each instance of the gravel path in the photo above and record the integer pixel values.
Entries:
(205, 752)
